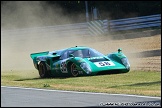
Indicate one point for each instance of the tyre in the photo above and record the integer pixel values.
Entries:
(73, 70)
(43, 70)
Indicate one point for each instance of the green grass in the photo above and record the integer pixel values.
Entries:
(133, 82)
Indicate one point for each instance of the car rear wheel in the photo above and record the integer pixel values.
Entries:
(74, 70)
(43, 70)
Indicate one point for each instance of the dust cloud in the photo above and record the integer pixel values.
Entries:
(18, 41)
(19, 37)
(29, 14)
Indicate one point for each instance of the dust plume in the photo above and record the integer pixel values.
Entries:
(22, 32)
(29, 14)
(19, 40)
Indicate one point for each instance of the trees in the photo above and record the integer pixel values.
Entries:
(74, 11)
(115, 9)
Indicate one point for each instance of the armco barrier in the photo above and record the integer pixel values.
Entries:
(93, 28)
(65, 30)
(135, 23)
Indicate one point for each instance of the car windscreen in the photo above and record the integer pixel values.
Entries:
(85, 53)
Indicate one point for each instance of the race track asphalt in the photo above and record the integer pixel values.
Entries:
(31, 97)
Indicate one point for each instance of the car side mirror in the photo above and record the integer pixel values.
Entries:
(71, 55)
(119, 50)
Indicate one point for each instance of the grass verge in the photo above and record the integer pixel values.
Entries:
(133, 82)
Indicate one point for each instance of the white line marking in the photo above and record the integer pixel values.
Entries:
(80, 92)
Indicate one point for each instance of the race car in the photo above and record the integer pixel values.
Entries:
(79, 61)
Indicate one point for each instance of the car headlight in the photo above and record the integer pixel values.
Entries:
(85, 67)
(126, 63)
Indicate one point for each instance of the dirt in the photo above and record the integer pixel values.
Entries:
(16, 49)
(136, 45)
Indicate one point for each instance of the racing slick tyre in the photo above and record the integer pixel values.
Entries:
(73, 70)
(43, 70)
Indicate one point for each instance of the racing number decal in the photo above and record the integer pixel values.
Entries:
(63, 67)
(104, 63)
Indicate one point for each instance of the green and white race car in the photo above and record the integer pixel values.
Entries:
(79, 61)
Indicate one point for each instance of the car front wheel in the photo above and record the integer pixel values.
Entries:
(74, 70)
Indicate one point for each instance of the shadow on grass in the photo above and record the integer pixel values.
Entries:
(24, 79)
(65, 77)
(58, 77)
(111, 72)
(145, 83)
(140, 84)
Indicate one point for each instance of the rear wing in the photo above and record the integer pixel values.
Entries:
(34, 55)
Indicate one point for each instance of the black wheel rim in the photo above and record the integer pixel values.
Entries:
(74, 70)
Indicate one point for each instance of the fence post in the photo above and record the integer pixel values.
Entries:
(105, 26)
(95, 27)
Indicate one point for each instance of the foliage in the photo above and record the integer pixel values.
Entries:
(28, 14)
(115, 9)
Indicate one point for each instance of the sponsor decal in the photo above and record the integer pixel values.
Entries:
(56, 66)
(94, 58)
